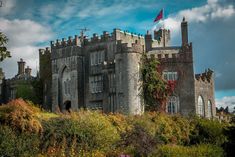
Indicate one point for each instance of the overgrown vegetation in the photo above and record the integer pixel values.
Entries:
(30, 90)
(26, 130)
(156, 90)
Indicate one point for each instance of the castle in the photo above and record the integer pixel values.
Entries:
(103, 73)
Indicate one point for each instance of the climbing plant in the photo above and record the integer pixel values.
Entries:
(155, 90)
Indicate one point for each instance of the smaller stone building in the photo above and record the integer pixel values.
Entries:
(22, 78)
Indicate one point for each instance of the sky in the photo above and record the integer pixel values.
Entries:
(32, 24)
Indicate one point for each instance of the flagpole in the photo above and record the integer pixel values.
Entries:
(163, 11)
(164, 38)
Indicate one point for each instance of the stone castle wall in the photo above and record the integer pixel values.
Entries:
(118, 72)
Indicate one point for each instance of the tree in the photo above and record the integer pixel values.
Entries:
(4, 53)
(156, 90)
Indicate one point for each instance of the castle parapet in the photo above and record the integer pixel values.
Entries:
(206, 76)
(43, 52)
(63, 43)
(125, 48)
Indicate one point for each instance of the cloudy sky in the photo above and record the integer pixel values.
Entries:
(32, 24)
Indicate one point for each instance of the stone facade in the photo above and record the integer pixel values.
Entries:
(104, 73)
(9, 86)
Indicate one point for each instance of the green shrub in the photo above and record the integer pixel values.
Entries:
(207, 131)
(88, 131)
(165, 128)
(138, 141)
(13, 143)
(204, 150)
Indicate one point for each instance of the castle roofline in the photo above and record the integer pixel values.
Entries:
(167, 48)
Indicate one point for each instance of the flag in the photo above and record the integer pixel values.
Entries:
(159, 16)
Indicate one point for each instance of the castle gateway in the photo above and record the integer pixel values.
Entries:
(104, 73)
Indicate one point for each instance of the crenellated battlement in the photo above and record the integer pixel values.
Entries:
(125, 48)
(45, 52)
(117, 34)
(64, 42)
(206, 76)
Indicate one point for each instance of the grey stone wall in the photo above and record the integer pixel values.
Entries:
(204, 87)
(121, 85)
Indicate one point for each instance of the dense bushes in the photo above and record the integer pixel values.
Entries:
(27, 131)
(207, 131)
(203, 150)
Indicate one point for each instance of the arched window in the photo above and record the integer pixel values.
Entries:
(172, 105)
(200, 106)
(209, 109)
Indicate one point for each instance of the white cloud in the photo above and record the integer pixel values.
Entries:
(212, 10)
(24, 36)
(7, 7)
(226, 101)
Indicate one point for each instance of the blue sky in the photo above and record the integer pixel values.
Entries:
(32, 24)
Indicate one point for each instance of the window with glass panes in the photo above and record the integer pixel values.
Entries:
(170, 75)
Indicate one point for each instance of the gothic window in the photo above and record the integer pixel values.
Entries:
(65, 87)
(68, 86)
(111, 82)
(170, 75)
(200, 106)
(96, 84)
(66, 82)
(209, 109)
(173, 105)
(97, 57)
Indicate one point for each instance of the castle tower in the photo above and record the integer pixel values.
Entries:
(162, 36)
(28, 71)
(184, 32)
(45, 75)
(21, 67)
(127, 70)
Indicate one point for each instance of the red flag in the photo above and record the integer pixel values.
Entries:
(159, 16)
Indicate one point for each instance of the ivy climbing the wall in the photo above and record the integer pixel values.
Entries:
(156, 90)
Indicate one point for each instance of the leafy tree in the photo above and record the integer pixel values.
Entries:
(4, 53)
(155, 89)
(26, 92)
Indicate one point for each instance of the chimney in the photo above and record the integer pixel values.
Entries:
(184, 32)
(21, 65)
(28, 71)
(148, 41)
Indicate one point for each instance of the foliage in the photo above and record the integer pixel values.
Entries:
(87, 131)
(20, 115)
(207, 131)
(138, 141)
(204, 150)
(4, 53)
(14, 143)
(230, 144)
(26, 130)
(38, 91)
(155, 89)
(32, 91)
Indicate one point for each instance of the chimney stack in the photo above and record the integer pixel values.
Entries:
(28, 71)
(21, 67)
(184, 32)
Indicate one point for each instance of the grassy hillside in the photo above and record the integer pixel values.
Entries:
(26, 130)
